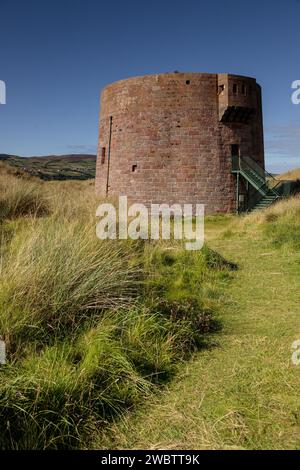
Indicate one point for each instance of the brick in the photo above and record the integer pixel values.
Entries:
(186, 164)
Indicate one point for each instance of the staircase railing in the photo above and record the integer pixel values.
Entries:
(269, 188)
(261, 179)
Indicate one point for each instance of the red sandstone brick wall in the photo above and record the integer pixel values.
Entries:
(167, 129)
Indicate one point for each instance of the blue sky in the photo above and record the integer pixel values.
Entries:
(55, 56)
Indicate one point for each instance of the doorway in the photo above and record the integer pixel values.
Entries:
(235, 150)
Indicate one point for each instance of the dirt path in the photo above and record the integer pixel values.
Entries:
(244, 392)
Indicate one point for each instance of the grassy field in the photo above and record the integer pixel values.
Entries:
(242, 393)
(92, 328)
(137, 344)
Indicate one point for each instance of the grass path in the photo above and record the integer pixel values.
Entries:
(244, 392)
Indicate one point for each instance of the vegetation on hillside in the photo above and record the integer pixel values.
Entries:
(290, 175)
(280, 223)
(52, 167)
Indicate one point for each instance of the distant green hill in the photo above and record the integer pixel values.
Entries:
(55, 167)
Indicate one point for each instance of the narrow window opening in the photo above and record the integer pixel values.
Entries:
(187, 82)
(235, 150)
(235, 88)
(243, 89)
(103, 155)
(221, 88)
(134, 168)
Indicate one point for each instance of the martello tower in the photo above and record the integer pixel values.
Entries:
(171, 138)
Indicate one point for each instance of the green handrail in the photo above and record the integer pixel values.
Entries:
(258, 176)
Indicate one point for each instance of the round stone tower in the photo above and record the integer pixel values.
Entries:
(170, 138)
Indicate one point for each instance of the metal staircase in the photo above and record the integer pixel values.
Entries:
(265, 201)
(267, 188)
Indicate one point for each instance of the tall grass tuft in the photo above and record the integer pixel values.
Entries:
(54, 400)
(19, 197)
(57, 275)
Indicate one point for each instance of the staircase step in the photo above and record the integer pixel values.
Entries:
(254, 174)
(264, 203)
